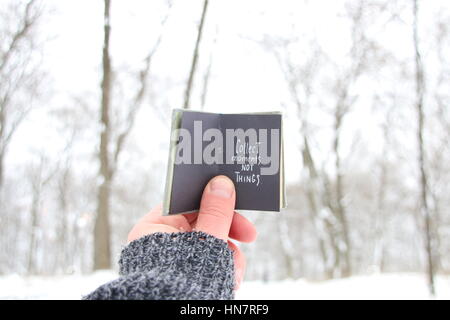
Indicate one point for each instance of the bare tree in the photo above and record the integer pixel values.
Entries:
(299, 77)
(287, 246)
(379, 234)
(207, 74)
(423, 179)
(65, 230)
(362, 50)
(18, 77)
(326, 196)
(190, 81)
(102, 246)
(337, 205)
(438, 160)
(40, 176)
(112, 141)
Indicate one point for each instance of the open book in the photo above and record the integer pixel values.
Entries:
(247, 148)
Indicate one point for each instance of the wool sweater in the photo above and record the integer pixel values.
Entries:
(172, 266)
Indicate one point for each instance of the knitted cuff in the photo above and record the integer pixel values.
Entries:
(198, 255)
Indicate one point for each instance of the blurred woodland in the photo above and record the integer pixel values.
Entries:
(367, 127)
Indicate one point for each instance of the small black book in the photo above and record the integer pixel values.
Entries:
(247, 148)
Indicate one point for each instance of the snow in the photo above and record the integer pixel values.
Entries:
(54, 288)
(376, 286)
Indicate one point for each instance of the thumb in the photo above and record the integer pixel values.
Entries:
(217, 207)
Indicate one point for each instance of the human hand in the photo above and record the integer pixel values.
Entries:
(216, 217)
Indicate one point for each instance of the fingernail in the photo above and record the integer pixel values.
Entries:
(222, 187)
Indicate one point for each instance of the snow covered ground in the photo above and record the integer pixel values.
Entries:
(377, 286)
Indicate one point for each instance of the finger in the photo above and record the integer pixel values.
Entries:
(155, 217)
(143, 229)
(191, 217)
(242, 229)
(217, 208)
(239, 264)
(155, 222)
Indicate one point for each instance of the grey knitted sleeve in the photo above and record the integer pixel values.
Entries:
(185, 265)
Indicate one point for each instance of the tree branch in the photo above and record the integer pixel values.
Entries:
(187, 95)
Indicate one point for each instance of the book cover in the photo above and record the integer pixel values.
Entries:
(247, 148)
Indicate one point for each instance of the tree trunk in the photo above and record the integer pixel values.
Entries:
(62, 237)
(287, 246)
(379, 225)
(31, 263)
(424, 207)
(1, 169)
(339, 207)
(313, 195)
(187, 94)
(102, 246)
(3, 142)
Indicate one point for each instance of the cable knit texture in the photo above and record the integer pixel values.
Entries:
(172, 266)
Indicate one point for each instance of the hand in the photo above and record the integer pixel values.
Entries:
(216, 217)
